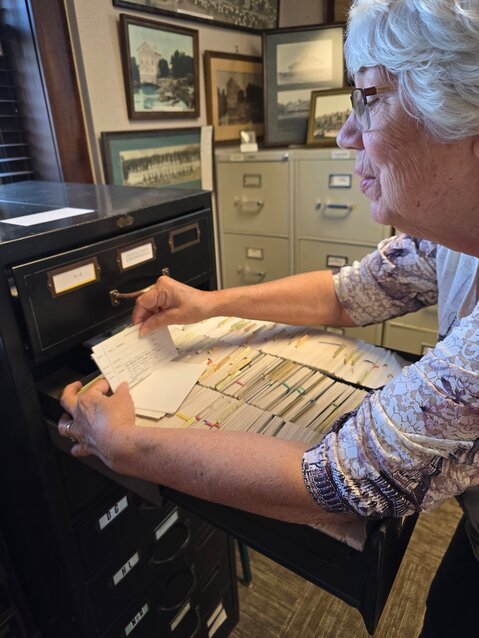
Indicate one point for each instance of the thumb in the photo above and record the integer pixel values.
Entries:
(159, 320)
(123, 389)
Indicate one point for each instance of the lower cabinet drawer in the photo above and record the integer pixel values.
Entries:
(138, 565)
(248, 259)
(182, 605)
(319, 255)
(101, 531)
(408, 338)
(371, 334)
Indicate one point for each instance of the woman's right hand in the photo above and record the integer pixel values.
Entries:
(171, 302)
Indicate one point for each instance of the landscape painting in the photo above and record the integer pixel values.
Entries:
(160, 64)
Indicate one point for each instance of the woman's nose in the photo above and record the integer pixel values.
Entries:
(350, 134)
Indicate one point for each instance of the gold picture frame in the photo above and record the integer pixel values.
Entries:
(234, 94)
(328, 111)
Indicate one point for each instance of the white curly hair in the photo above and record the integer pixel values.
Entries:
(430, 48)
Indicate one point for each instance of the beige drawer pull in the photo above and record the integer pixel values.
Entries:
(116, 295)
(248, 275)
(248, 207)
(334, 210)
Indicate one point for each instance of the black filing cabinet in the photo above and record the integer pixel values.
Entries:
(91, 553)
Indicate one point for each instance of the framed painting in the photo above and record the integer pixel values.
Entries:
(297, 62)
(154, 159)
(234, 94)
(254, 15)
(329, 110)
(160, 69)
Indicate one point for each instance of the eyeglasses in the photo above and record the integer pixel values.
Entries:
(359, 100)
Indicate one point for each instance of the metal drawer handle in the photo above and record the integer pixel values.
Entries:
(334, 210)
(245, 272)
(248, 207)
(116, 295)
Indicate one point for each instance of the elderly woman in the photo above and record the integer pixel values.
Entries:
(414, 443)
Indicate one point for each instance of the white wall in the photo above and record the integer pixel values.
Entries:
(95, 35)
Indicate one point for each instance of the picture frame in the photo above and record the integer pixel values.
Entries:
(260, 15)
(160, 69)
(158, 158)
(234, 94)
(328, 112)
(296, 62)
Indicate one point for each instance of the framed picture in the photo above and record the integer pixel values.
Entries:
(234, 94)
(328, 112)
(156, 159)
(160, 68)
(297, 62)
(254, 15)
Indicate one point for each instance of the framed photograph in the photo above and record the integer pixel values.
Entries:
(156, 159)
(254, 15)
(234, 94)
(297, 62)
(328, 112)
(160, 69)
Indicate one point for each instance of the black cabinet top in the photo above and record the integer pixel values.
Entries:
(115, 210)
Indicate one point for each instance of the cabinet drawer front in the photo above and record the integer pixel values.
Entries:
(400, 336)
(253, 197)
(318, 255)
(252, 260)
(329, 204)
(67, 298)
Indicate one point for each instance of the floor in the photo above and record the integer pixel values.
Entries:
(282, 605)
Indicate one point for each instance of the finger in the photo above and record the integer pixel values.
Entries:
(79, 450)
(123, 388)
(100, 386)
(69, 398)
(153, 323)
(63, 423)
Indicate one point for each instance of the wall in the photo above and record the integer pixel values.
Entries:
(95, 35)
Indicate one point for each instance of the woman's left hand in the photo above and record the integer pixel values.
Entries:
(97, 423)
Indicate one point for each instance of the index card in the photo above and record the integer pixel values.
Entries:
(157, 383)
(46, 216)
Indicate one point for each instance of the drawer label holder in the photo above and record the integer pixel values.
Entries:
(136, 254)
(73, 276)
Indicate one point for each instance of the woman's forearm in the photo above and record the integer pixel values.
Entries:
(303, 299)
(243, 470)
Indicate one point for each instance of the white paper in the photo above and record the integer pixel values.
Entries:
(158, 385)
(167, 386)
(46, 216)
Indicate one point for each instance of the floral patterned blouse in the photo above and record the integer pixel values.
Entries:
(415, 442)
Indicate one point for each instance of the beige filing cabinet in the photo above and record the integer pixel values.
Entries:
(332, 222)
(292, 210)
(254, 192)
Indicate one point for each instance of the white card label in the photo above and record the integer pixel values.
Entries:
(138, 617)
(126, 568)
(113, 512)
